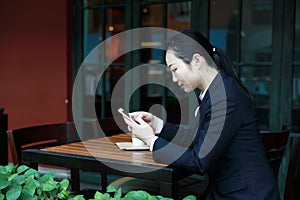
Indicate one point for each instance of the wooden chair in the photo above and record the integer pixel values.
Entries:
(3, 138)
(293, 175)
(40, 137)
(275, 144)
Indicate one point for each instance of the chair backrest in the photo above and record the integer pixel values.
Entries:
(293, 175)
(39, 137)
(3, 138)
(275, 145)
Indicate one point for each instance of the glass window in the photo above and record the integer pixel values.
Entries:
(258, 82)
(224, 33)
(91, 2)
(249, 45)
(175, 16)
(98, 2)
(297, 33)
(296, 100)
(256, 34)
(99, 24)
(179, 15)
(296, 73)
(151, 15)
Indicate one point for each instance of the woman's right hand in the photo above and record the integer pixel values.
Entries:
(149, 118)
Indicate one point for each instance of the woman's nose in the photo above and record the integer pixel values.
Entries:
(174, 78)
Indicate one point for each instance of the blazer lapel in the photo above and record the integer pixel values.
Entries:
(205, 103)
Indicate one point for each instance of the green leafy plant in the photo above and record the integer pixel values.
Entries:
(24, 183)
(116, 194)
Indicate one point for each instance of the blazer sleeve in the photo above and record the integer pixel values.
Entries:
(176, 134)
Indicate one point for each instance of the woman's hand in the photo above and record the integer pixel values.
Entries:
(147, 117)
(142, 130)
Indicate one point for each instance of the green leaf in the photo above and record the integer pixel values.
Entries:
(65, 192)
(10, 168)
(111, 189)
(30, 187)
(3, 170)
(46, 177)
(78, 197)
(60, 195)
(118, 194)
(20, 179)
(2, 196)
(106, 196)
(141, 194)
(49, 185)
(4, 184)
(11, 177)
(64, 184)
(22, 169)
(190, 197)
(39, 191)
(98, 196)
(14, 192)
(138, 195)
(30, 172)
(25, 196)
(150, 197)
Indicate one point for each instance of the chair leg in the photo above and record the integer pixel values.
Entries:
(103, 181)
(75, 182)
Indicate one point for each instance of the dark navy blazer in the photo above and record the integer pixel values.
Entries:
(224, 142)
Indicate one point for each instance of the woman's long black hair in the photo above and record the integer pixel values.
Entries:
(185, 49)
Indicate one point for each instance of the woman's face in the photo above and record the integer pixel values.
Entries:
(186, 75)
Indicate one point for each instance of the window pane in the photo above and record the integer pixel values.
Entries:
(115, 23)
(91, 2)
(296, 100)
(224, 26)
(297, 32)
(296, 74)
(257, 31)
(95, 31)
(151, 15)
(98, 2)
(179, 15)
(258, 82)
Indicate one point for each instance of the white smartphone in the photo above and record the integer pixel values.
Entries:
(126, 115)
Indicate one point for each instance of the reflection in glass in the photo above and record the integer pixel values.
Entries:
(94, 33)
(179, 15)
(297, 33)
(151, 15)
(99, 2)
(257, 31)
(92, 2)
(224, 33)
(296, 100)
(258, 82)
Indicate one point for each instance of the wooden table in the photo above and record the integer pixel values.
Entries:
(102, 155)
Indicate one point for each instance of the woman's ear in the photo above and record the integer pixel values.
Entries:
(197, 60)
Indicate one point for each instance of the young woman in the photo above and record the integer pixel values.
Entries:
(224, 141)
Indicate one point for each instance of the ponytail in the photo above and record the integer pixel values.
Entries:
(223, 62)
